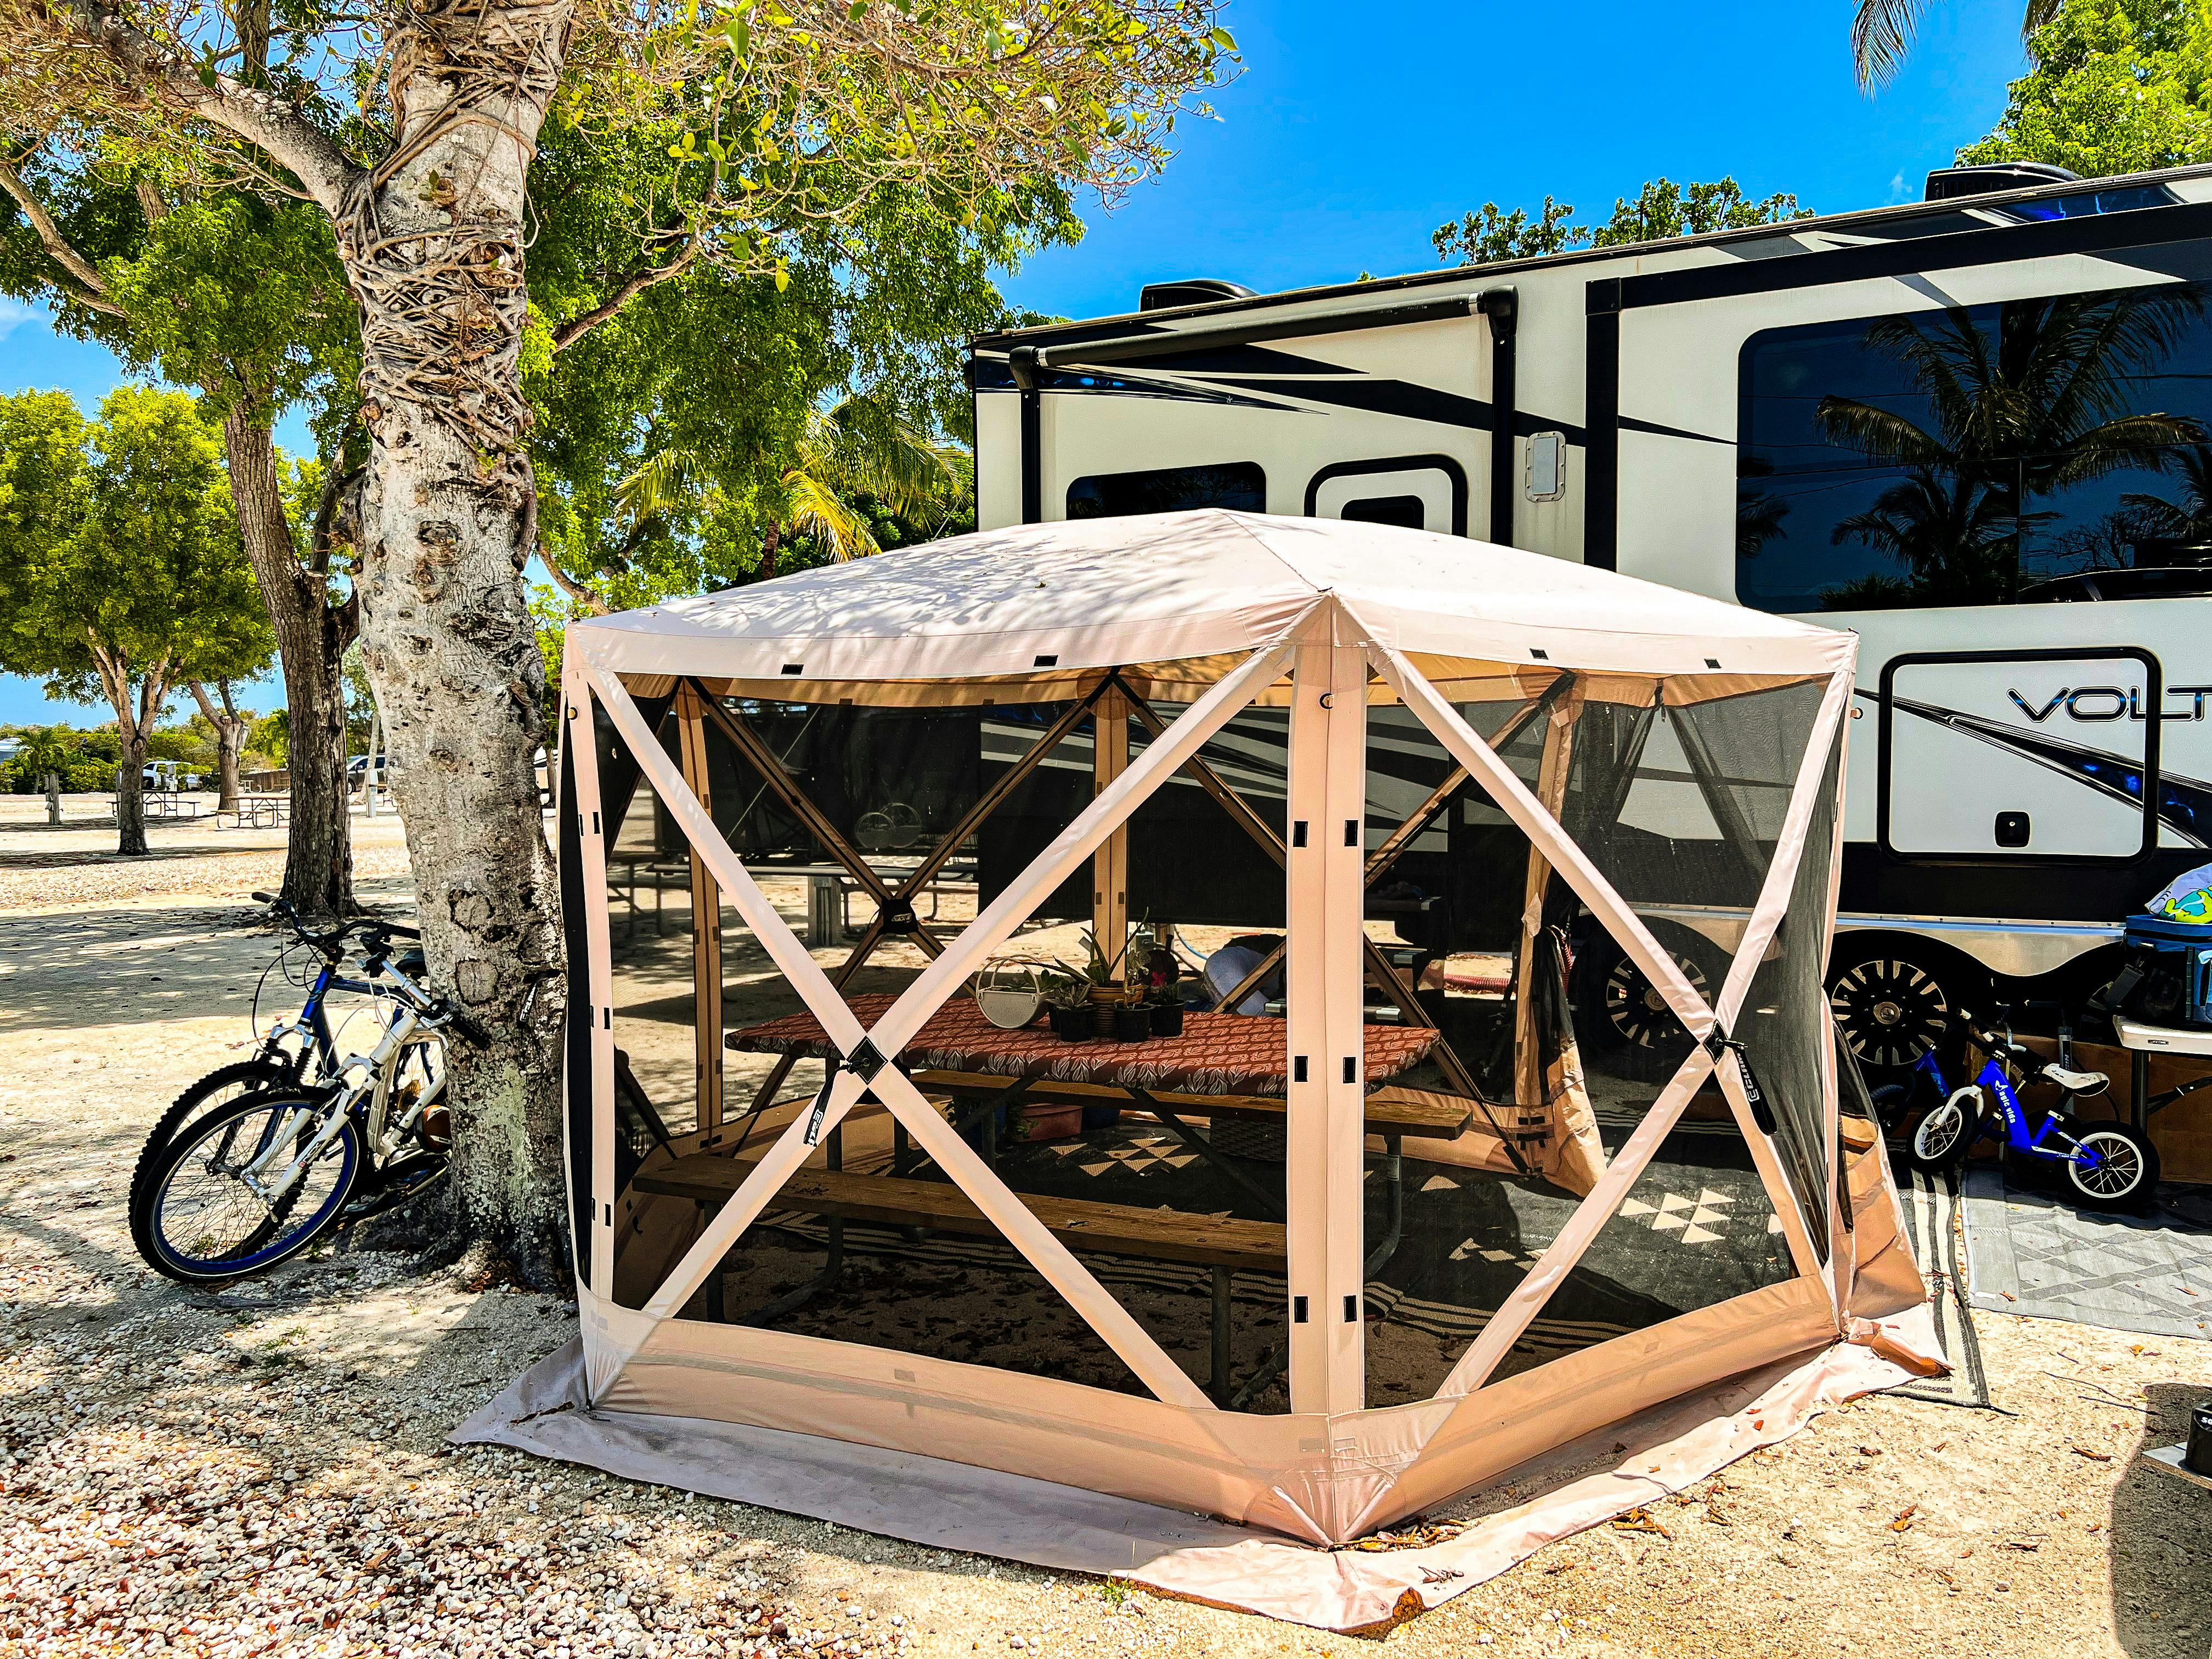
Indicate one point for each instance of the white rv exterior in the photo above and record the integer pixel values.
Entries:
(1736, 415)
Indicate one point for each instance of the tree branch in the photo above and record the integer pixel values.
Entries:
(576, 591)
(574, 330)
(260, 118)
(91, 287)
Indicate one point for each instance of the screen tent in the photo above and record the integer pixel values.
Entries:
(1515, 1112)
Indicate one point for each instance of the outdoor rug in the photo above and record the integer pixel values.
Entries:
(2033, 1252)
(1931, 1220)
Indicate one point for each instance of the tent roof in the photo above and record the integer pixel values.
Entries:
(1003, 604)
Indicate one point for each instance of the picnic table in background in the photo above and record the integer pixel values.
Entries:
(1225, 1067)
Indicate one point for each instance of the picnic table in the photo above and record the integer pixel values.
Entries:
(1223, 1067)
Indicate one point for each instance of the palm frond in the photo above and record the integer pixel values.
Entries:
(813, 507)
(1882, 31)
(1880, 433)
(664, 482)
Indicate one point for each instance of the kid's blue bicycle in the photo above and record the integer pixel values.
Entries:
(2109, 1165)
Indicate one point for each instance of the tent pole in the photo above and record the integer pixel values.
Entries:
(1548, 1085)
(1324, 904)
(1110, 865)
(706, 918)
(578, 737)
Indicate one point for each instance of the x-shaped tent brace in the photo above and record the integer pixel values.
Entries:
(895, 909)
(867, 1051)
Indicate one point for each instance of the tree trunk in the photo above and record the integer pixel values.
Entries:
(312, 637)
(433, 248)
(229, 741)
(130, 796)
(134, 727)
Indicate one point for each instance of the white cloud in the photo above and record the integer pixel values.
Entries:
(13, 313)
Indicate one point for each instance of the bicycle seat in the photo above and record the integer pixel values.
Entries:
(2078, 1083)
(410, 962)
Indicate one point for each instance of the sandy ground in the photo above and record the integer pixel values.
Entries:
(266, 1471)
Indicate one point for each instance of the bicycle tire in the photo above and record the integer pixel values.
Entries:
(249, 1076)
(271, 1242)
(2122, 1141)
(1927, 1149)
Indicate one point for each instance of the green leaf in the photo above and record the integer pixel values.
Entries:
(782, 278)
(740, 36)
(1224, 39)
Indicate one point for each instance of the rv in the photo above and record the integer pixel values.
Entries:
(1977, 431)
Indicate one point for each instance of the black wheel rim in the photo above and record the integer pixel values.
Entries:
(1636, 1010)
(1890, 1012)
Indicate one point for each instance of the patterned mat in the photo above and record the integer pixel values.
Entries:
(2034, 1253)
(1931, 1221)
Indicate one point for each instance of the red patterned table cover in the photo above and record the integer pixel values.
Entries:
(1216, 1053)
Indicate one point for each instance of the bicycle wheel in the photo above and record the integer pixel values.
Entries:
(218, 1088)
(1940, 1140)
(2124, 1167)
(199, 1220)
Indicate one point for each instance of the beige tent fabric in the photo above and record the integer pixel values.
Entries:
(1210, 609)
(928, 1500)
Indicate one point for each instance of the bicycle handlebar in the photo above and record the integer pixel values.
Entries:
(332, 942)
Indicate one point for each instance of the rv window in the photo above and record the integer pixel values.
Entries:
(1239, 485)
(1410, 512)
(2026, 451)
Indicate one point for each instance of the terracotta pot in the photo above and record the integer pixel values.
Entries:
(1048, 1122)
(1075, 1025)
(1132, 1024)
(1167, 1019)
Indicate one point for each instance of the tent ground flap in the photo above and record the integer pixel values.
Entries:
(928, 1501)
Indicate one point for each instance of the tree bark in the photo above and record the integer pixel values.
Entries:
(229, 741)
(134, 727)
(312, 637)
(433, 243)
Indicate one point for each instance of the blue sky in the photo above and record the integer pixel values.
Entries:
(1347, 142)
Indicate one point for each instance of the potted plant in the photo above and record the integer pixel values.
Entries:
(1167, 1008)
(1132, 1020)
(1067, 997)
(1100, 974)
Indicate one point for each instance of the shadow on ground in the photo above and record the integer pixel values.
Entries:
(2161, 1541)
(69, 970)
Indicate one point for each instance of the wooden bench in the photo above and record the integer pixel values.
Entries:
(1223, 1245)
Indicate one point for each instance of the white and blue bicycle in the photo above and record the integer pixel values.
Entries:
(313, 1137)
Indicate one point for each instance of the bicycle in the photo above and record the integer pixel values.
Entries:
(2108, 1165)
(257, 1180)
(296, 1051)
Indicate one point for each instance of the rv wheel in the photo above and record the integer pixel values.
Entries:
(1623, 1010)
(1893, 1008)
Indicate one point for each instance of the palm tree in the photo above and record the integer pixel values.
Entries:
(1958, 536)
(1881, 32)
(857, 445)
(2031, 407)
(2186, 523)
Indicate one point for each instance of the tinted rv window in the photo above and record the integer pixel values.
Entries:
(1993, 454)
(1407, 512)
(1240, 485)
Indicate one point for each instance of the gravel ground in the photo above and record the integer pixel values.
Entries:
(265, 1470)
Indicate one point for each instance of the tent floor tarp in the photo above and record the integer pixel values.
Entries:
(946, 1505)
